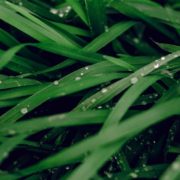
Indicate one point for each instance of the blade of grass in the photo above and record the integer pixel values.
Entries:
(59, 120)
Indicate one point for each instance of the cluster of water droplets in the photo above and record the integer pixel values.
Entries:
(143, 72)
(61, 12)
(79, 77)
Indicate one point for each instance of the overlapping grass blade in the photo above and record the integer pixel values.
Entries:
(113, 118)
(110, 134)
(61, 120)
(128, 10)
(96, 16)
(78, 8)
(121, 85)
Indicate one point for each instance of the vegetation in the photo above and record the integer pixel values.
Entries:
(89, 89)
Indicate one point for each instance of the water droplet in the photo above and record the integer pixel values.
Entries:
(137, 170)
(109, 175)
(142, 73)
(61, 14)
(24, 110)
(63, 94)
(163, 58)
(176, 166)
(104, 90)
(129, 148)
(84, 108)
(134, 80)
(0, 82)
(86, 68)
(175, 55)
(67, 167)
(155, 95)
(106, 28)
(107, 106)
(5, 154)
(136, 40)
(56, 82)
(133, 175)
(20, 3)
(156, 65)
(78, 78)
(144, 103)
(150, 131)
(68, 7)
(53, 11)
(99, 107)
(93, 100)
(11, 132)
(150, 97)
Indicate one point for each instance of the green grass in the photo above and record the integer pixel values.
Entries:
(89, 89)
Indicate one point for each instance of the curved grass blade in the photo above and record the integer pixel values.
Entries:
(60, 120)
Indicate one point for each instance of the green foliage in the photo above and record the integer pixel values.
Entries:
(89, 89)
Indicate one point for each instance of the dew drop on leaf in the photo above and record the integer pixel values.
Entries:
(134, 80)
(163, 58)
(78, 78)
(61, 15)
(176, 166)
(24, 110)
(93, 100)
(56, 82)
(104, 90)
(53, 11)
(86, 68)
(133, 175)
(156, 65)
